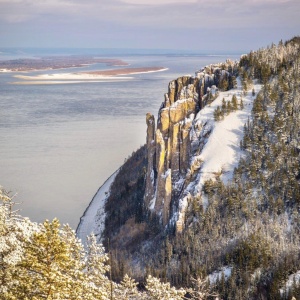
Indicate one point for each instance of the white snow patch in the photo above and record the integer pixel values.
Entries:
(289, 283)
(217, 275)
(177, 103)
(69, 76)
(93, 219)
(80, 77)
(222, 151)
(183, 203)
(167, 173)
(152, 202)
(204, 199)
(179, 183)
(145, 72)
(152, 176)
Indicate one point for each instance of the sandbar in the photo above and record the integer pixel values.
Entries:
(55, 63)
(125, 71)
(113, 74)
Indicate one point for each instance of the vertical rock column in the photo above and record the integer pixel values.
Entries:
(185, 145)
(168, 146)
(175, 149)
(164, 180)
(151, 168)
(167, 197)
(160, 160)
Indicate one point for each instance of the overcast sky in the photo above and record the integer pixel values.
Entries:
(196, 25)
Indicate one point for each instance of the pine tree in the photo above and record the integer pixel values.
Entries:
(234, 102)
(127, 289)
(229, 108)
(99, 285)
(223, 84)
(50, 266)
(224, 106)
(201, 289)
(15, 231)
(218, 114)
(157, 290)
(234, 82)
(241, 104)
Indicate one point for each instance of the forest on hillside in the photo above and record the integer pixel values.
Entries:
(252, 224)
(249, 231)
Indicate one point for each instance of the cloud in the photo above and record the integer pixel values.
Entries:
(20, 11)
(144, 22)
(186, 13)
(158, 2)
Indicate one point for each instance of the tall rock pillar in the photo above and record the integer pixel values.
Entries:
(151, 169)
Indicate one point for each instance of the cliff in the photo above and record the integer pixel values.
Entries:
(170, 146)
(216, 187)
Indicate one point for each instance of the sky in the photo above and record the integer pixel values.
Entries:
(213, 26)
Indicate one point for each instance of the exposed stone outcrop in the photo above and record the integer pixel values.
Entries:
(170, 146)
(167, 197)
(151, 168)
(160, 159)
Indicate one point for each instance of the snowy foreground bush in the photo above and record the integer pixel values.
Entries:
(47, 261)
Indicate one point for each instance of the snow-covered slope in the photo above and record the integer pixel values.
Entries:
(221, 151)
(93, 218)
(218, 156)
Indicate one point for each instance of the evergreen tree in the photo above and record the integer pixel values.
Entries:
(127, 289)
(97, 267)
(229, 107)
(234, 82)
(218, 114)
(201, 289)
(234, 102)
(241, 104)
(157, 290)
(49, 268)
(15, 232)
(224, 106)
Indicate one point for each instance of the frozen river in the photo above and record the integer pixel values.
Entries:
(60, 142)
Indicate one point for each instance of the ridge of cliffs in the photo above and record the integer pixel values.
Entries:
(169, 144)
(215, 191)
(144, 201)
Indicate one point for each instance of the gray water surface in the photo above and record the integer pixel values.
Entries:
(59, 143)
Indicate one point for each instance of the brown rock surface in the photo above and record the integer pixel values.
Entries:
(150, 177)
(185, 97)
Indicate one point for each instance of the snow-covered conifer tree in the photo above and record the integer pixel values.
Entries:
(127, 289)
(157, 290)
(98, 284)
(15, 231)
(50, 267)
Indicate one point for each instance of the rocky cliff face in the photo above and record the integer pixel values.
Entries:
(170, 145)
(152, 188)
(220, 173)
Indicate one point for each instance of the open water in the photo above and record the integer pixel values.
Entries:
(59, 143)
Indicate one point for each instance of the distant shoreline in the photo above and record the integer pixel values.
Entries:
(55, 63)
(81, 77)
(126, 71)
